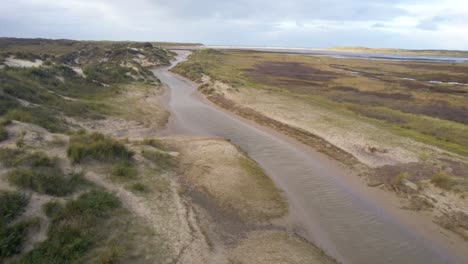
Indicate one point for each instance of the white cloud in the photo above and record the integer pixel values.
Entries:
(306, 23)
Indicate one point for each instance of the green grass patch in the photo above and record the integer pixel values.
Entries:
(399, 179)
(12, 204)
(38, 115)
(154, 142)
(162, 159)
(18, 157)
(52, 208)
(125, 169)
(3, 133)
(446, 134)
(138, 187)
(38, 172)
(98, 147)
(109, 74)
(47, 180)
(74, 228)
(423, 156)
(12, 236)
(444, 181)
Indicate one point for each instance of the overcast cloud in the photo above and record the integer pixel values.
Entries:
(295, 23)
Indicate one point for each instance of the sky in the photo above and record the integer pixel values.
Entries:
(412, 24)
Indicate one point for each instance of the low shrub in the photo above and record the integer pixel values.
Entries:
(12, 204)
(47, 180)
(18, 157)
(40, 116)
(52, 208)
(125, 169)
(109, 74)
(71, 233)
(424, 156)
(138, 187)
(398, 179)
(7, 102)
(3, 133)
(96, 146)
(20, 139)
(443, 180)
(12, 237)
(88, 207)
(154, 143)
(191, 70)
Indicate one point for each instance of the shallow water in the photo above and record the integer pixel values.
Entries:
(329, 212)
(347, 54)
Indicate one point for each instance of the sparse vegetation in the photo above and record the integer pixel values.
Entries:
(423, 156)
(162, 159)
(20, 139)
(398, 179)
(96, 146)
(154, 143)
(125, 169)
(443, 180)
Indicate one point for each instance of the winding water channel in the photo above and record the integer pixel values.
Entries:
(328, 211)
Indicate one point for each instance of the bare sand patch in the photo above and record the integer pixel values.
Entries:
(12, 62)
(275, 247)
(230, 178)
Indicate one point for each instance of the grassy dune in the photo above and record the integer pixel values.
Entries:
(73, 82)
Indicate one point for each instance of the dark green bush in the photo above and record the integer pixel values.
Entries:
(93, 204)
(3, 133)
(109, 74)
(96, 146)
(70, 235)
(138, 187)
(47, 180)
(12, 204)
(18, 157)
(52, 208)
(6, 103)
(12, 237)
